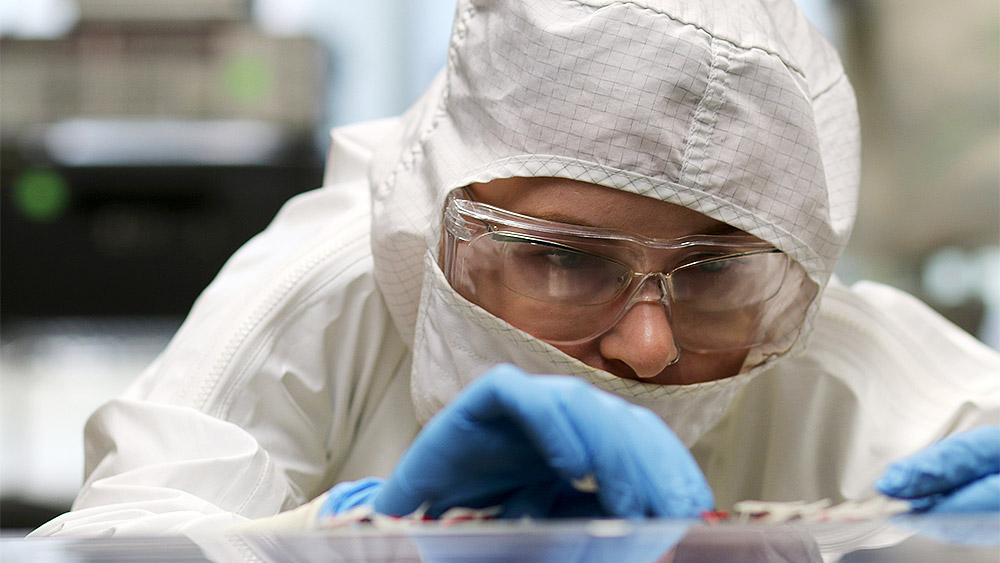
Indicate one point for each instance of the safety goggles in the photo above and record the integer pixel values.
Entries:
(567, 284)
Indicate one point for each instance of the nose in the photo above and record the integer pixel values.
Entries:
(642, 339)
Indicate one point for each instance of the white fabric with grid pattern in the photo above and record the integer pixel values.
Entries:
(736, 109)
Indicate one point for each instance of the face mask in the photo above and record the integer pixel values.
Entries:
(456, 341)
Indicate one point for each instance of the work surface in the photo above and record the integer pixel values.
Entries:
(966, 539)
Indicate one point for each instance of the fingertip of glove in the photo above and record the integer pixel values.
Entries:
(688, 502)
(492, 385)
(694, 504)
(706, 501)
(894, 481)
(349, 494)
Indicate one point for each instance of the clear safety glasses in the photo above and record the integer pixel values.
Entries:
(567, 284)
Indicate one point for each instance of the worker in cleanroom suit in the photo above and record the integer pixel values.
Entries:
(653, 145)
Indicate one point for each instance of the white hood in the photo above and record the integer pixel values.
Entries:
(736, 109)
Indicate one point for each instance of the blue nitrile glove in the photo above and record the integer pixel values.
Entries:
(349, 494)
(961, 473)
(526, 443)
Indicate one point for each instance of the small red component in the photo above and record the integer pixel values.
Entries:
(713, 516)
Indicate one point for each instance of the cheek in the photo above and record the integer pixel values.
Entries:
(531, 316)
(589, 353)
(697, 330)
(699, 367)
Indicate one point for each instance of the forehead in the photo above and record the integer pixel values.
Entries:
(572, 201)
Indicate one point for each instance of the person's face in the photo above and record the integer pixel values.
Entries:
(641, 344)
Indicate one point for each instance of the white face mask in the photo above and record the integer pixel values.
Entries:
(456, 341)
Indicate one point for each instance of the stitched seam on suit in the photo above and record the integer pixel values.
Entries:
(733, 42)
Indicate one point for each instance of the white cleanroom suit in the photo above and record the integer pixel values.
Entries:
(327, 341)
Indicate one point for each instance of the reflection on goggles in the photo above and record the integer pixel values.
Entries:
(708, 281)
(567, 284)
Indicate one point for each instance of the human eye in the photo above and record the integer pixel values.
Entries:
(716, 265)
(557, 273)
(712, 264)
(563, 258)
(555, 258)
(728, 282)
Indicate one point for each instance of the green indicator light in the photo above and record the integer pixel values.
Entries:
(247, 78)
(41, 195)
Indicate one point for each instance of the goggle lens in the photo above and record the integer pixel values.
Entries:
(565, 287)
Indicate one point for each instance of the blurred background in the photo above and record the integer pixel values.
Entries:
(141, 142)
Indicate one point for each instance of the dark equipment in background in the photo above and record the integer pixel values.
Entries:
(141, 149)
(129, 240)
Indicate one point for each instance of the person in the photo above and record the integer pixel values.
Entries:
(588, 273)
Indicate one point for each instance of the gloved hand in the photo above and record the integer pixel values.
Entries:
(526, 443)
(958, 474)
